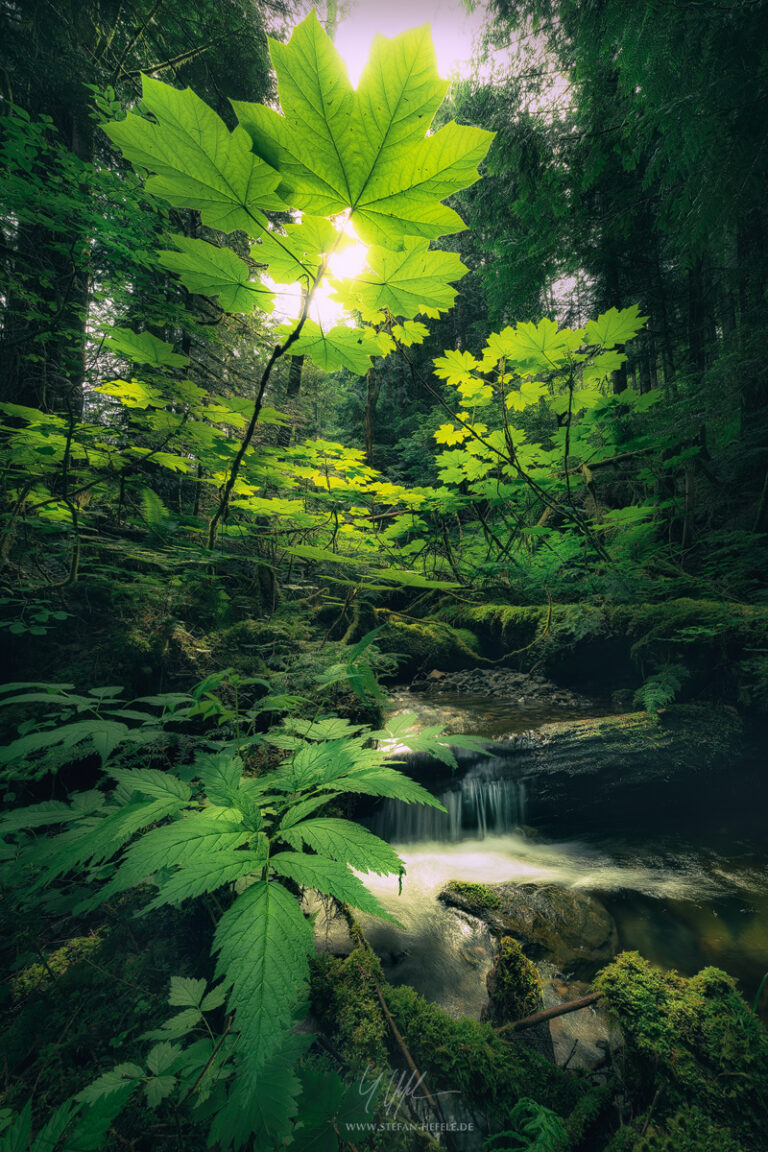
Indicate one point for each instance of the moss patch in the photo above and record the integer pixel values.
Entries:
(426, 644)
(696, 1043)
(514, 985)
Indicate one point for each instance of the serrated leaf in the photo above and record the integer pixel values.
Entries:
(365, 150)
(109, 1082)
(206, 875)
(220, 774)
(50, 1134)
(345, 841)
(161, 1057)
(196, 161)
(144, 348)
(91, 1129)
(214, 999)
(208, 270)
(263, 942)
(104, 734)
(262, 1103)
(177, 1026)
(405, 283)
(384, 782)
(186, 992)
(339, 347)
(330, 877)
(296, 254)
(157, 1088)
(38, 815)
(448, 434)
(200, 834)
(615, 326)
(152, 782)
(456, 367)
(77, 848)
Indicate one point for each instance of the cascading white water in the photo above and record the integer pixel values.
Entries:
(479, 806)
(482, 803)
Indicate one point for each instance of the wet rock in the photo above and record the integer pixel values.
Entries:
(518, 687)
(580, 1039)
(621, 768)
(563, 925)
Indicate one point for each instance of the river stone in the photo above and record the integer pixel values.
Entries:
(580, 1039)
(564, 925)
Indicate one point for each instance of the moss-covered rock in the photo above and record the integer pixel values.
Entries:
(514, 985)
(692, 1044)
(689, 1130)
(605, 647)
(562, 924)
(425, 644)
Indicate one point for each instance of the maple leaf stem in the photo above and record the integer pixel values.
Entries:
(278, 351)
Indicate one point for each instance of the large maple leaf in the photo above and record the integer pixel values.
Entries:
(365, 150)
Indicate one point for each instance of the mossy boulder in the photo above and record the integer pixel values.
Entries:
(691, 1044)
(561, 924)
(514, 985)
(425, 644)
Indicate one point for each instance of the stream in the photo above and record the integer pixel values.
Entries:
(685, 881)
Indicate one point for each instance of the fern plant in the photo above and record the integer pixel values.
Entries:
(661, 688)
(251, 843)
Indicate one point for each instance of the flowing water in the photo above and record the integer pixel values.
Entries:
(686, 883)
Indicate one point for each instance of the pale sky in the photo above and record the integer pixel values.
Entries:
(453, 30)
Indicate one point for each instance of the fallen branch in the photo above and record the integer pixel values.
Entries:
(549, 1013)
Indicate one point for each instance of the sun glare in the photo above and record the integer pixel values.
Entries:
(454, 31)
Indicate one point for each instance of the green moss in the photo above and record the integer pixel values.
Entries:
(514, 984)
(423, 644)
(478, 893)
(687, 1131)
(344, 998)
(53, 966)
(490, 1071)
(466, 1056)
(694, 1041)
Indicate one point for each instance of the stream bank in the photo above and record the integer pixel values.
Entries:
(557, 808)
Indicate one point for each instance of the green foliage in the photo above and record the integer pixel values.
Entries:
(687, 1131)
(661, 688)
(534, 1129)
(213, 829)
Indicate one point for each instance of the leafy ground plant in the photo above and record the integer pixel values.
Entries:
(248, 845)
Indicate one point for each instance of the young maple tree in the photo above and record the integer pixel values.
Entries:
(339, 156)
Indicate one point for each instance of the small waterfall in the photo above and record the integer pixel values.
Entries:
(480, 804)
